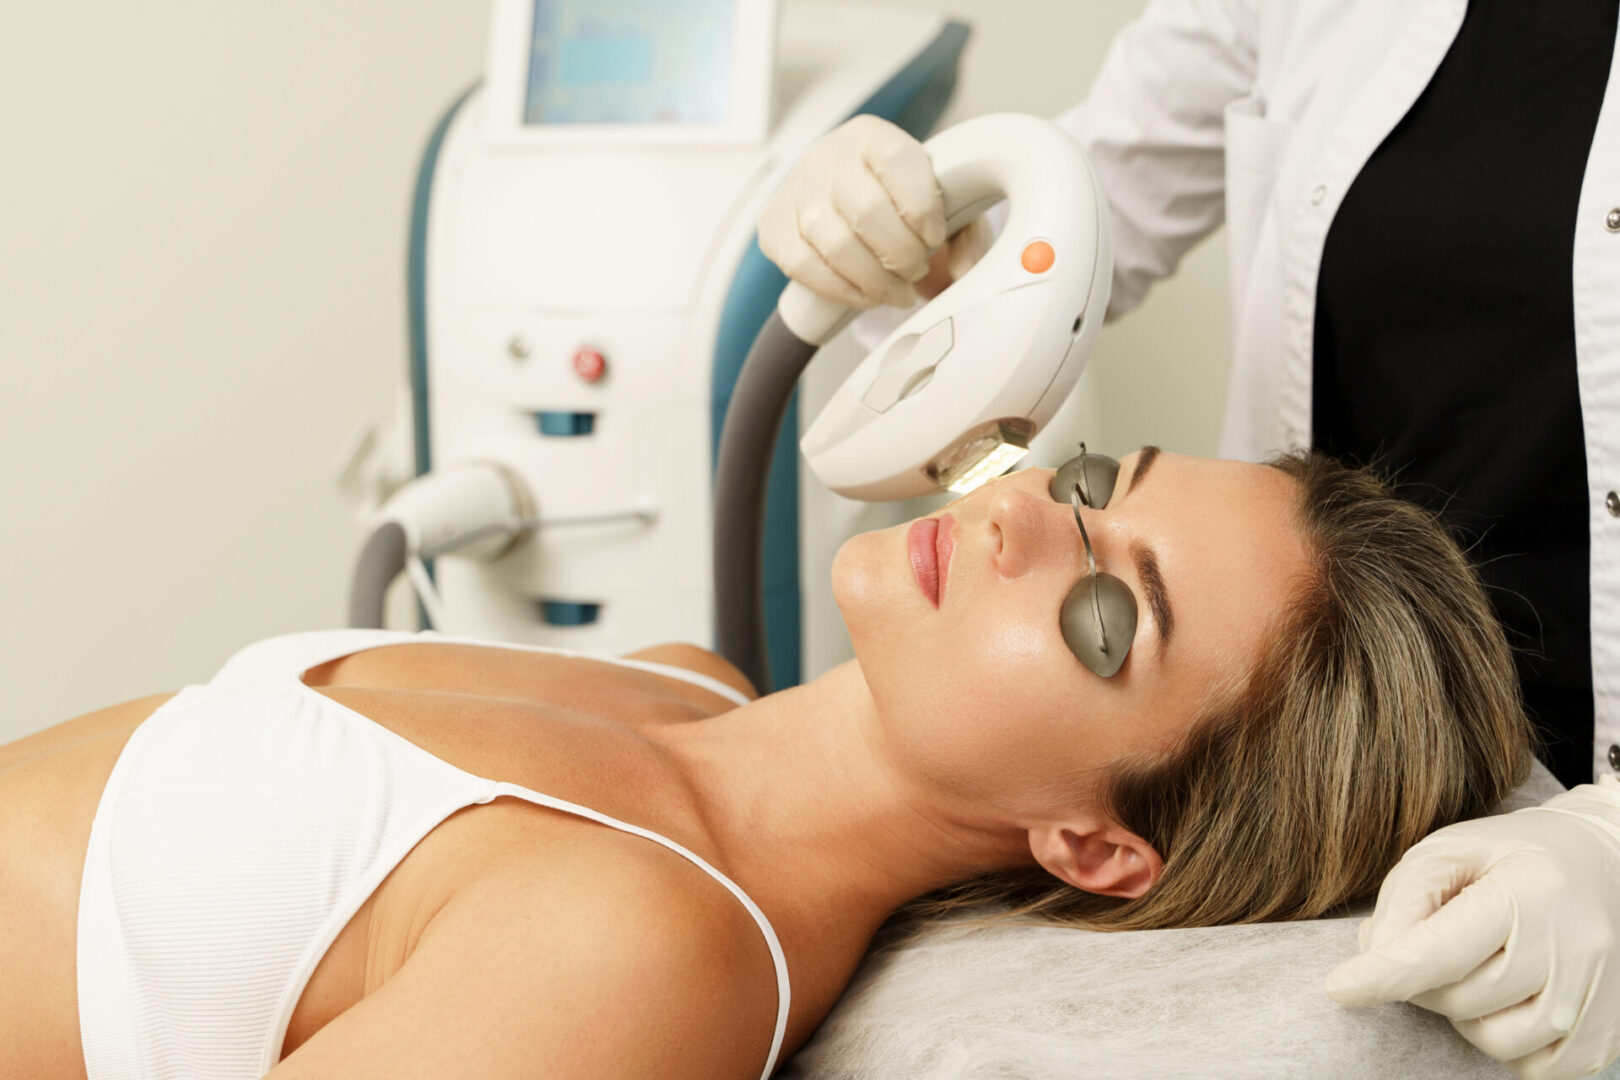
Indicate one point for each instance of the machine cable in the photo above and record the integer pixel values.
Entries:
(743, 465)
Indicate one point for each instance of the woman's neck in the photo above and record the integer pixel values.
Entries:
(814, 822)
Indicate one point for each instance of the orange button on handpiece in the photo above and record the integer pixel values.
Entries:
(1038, 257)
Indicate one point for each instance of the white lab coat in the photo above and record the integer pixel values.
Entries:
(1261, 113)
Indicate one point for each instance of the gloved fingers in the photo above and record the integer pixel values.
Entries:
(804, 264)
(811, 270)
(1437, 951)
(869, 209)
(825, 231)
(1419, 885)
(1513, 1033)
(904, 169)
(1499, 983)
(967, 247)
(781, 243)
(1565, 1059)
(1583, 1009)
(1594, 1042)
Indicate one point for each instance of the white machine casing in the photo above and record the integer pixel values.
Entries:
(535, 251)
(1002, 346)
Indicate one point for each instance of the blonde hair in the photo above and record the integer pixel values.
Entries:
(1384, 706)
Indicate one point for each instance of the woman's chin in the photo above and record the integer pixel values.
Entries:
(867, 572)
(855, 577)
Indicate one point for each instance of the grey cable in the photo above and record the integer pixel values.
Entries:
(381, 560)
(753, 419)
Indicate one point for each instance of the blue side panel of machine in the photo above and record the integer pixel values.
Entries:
(416, 283)
(416, 300)
(914, 99)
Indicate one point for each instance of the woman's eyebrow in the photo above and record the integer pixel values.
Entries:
(1158, 598)
(1144, 462)
(1147, 563)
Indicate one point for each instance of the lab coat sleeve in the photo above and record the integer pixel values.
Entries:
(1154, 127)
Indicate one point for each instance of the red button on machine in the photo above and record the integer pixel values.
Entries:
(589, 364)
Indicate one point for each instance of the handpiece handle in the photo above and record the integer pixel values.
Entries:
(1025, 160)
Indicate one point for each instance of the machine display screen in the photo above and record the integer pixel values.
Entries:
(630, 62)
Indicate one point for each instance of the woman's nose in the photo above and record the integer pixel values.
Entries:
(1032, 530)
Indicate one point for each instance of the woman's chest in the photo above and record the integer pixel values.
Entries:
(247, 792)
(574, 756)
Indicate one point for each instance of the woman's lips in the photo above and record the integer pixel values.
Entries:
(920, 540)
(943, 546)
(928, 543)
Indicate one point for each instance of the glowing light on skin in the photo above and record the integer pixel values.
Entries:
(981, 456)
(1000, 458)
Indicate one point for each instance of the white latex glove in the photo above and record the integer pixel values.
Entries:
(859, 216)
(1508, 926)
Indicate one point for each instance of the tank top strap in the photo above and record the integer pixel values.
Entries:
(291, 655)
(783, 990)
(686, 675)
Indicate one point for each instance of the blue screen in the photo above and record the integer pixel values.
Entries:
(630, 62)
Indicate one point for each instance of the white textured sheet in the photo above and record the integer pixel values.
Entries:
(1043, 1002)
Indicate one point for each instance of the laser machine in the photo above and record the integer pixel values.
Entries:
(584, 284)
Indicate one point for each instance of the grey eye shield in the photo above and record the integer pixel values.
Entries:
(1098, 617)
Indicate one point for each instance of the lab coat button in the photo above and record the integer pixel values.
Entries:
(1613, 503)
(1318, 193)
(1614, 758)
(1613, 220)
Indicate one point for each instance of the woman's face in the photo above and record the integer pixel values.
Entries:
(978, 695)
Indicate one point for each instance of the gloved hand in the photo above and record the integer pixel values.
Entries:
(858, 217)
(1509, 927)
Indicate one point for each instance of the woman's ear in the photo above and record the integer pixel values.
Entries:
(1098, 857)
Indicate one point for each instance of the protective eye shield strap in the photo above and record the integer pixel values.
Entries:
(1091, 569)
(1082, 617)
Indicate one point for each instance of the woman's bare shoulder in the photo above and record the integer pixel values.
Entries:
(602, 960)
(115, 720)
(698, 659)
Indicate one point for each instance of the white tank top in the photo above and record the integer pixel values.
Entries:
(243, 825)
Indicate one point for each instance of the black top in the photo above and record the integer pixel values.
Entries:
(1445, 339)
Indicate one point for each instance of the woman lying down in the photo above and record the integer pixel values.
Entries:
(1154, 693)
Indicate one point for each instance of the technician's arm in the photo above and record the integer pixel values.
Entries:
(1510, 927)
(858, 215)
(1154, 127)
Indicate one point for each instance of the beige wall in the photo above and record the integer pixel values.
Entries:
(201, 292)
(202, 226)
